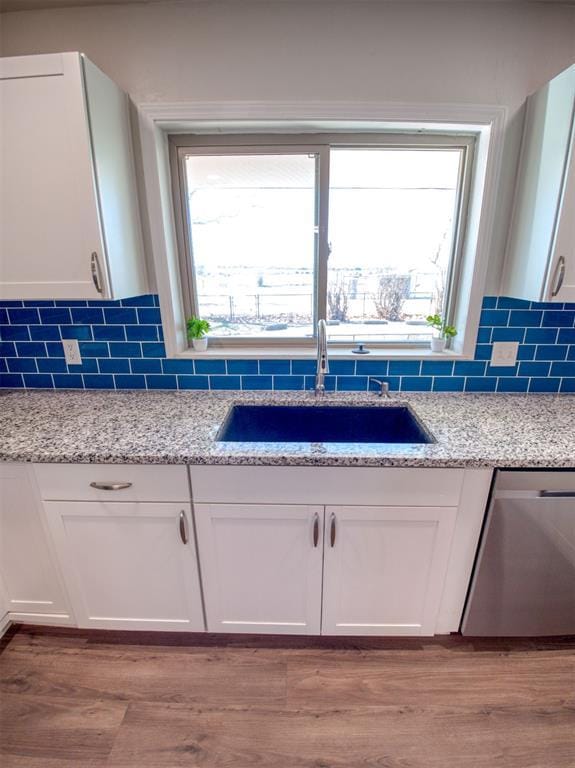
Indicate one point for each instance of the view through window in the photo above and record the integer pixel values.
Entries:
(254, 223)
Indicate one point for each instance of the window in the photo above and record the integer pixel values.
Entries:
(277, 232)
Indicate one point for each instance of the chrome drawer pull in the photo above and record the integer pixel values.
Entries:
(315, 529)
(332, 531)
(110, 486)
(183, 531)
(557, 494)
(559, 276)
(95, 268)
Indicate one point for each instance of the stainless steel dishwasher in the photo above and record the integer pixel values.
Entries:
(524, 578)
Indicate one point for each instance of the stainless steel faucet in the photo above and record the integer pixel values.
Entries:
(322, 361)
(383, 387)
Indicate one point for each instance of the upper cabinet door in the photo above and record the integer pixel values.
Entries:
(561, 279)
(69, 226)
(544, 198)
(384, 569)
(261, 567)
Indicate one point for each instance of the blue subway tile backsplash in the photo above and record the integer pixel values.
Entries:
(122, 348)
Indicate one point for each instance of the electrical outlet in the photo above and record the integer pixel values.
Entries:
(72, 351)
(504, 353)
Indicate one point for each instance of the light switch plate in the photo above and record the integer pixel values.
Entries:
(504, 353)
(72, 351)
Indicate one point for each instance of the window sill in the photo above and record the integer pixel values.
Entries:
(305, 353)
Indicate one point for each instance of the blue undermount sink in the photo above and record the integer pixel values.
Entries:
(323, 424)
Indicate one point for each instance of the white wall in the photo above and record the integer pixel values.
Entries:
(493, 53)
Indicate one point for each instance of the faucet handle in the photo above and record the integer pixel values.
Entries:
(383, 386)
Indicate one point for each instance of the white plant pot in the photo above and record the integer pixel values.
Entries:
(200, 345)
(438, 344)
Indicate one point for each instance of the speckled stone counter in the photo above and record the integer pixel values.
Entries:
(180, 427)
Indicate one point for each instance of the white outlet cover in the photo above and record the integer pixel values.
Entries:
(72, 351)
(504, 353)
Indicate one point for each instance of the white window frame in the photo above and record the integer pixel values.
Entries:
(156, 122)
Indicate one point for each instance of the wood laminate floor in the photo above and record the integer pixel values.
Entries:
(95, 700)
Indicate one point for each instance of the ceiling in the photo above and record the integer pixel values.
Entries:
(30, 5)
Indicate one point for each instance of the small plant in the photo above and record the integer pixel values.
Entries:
(197, 328)
(444, 331)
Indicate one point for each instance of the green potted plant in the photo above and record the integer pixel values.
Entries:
(197, 333)
(444, 332)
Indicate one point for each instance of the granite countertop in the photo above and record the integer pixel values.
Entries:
(180, 427)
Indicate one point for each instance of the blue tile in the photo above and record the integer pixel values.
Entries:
(342, 367)
(494, 317)
(448, 384)
(124, 349)
(54, 349)
(329, 382)
(108, 365)
(526, 351)
(299, 367)
(484, 335)
(243, 366)
(257, 382)
(147, 300)
(161, 382)
(505, 302)
(178, 366)
(404, 367)
(569, 305)
(149, 316)
(97, 381)
(156, 300)
(544, 385)
(153, 349)
(141, 332)
(566, 336)
(562, 319)
(87, 315)
(568, 385)
(551, 352)
(502, 370)
(3, 366)
(563, 369)
(38, 381)
(508, 334)
(275, 366)
(14, 333)
(7, 349)
(130, 382)
(351, 383)
(21, 364)
(483, 351)
(534, 369)
(541, 335)
(80, 332)
(68, 381)
(109, 333)
(489, 302)
(3, 316)
(289, 382)
(11, 380)
(105, 303)
(146, 365)
(11, 303)
(193, 382)
(515, 384)
(93, 349)
(437, 368)
(120, 316)
(89, 365)
(55, 316)
(23, 316)
(52, 365)
(571, 353)
(548, 305)
(371, 367)
(71, 303)
(527, 318)
(469, 368)
(31, 349)
(480, 384)
(38, 303)
(210, 366)
(44, 332)
(225, 382)
(416, 383)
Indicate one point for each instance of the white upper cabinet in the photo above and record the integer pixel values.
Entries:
(69, 218)
(540, 261)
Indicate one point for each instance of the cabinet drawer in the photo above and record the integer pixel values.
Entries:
(327, 485)
(72, 482)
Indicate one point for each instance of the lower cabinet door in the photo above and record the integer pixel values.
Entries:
(129, 565)
(261, 567)
(384, 569)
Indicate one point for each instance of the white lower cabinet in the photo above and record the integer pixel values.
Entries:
(261, 567)
(129, 565)
(384, 569)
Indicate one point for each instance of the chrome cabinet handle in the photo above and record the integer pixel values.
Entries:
(557, 494)
(183, 529)
(315, 530)
(559, 275)
(332, 530)
(95, 267)
(110, 486)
